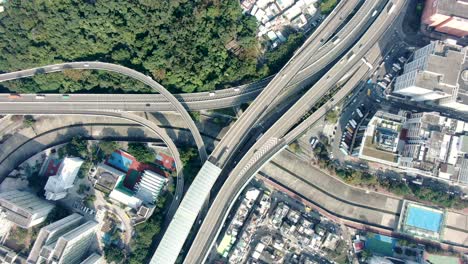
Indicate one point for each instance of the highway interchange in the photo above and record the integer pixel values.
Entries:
(277, 137)
(333, 61)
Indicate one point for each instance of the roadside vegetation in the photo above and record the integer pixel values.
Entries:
(191, 162)
(437, 194)
(278, 57)
(141, 152)
(143, 246)
(326, 6)
(181, 44)
(187, 46)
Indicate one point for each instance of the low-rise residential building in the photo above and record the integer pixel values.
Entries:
(235, 243)
(23, 208)
(57, 185)
(274, 16)
(437, 72)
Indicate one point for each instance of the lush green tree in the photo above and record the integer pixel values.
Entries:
(191, 162)
(113, 254)
(326, 6)
(84, 169)
(77, 147)
(142, 247)
(141, 152)
(107, 147)
(185, 45)
(294, 147)
(57, 213)
(331, 116)
(29, 121)
(279, 56)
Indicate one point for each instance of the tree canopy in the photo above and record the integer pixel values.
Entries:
(141, 152)
(185, 45)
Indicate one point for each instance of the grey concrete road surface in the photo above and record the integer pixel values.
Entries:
(124, 71)
(270, 143)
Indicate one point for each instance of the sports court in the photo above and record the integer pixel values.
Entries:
(119, 161)
(424, 218)
(380, 244)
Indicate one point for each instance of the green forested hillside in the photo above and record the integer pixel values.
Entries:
(181, 43)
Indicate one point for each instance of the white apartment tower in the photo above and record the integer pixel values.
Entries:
(436, 74)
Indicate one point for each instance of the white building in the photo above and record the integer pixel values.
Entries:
(65, 241)
(57, 185)
(150, 186)
(146, 190)
(437, 73)
(23, 208)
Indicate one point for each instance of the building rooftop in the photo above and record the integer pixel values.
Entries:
(458, 8)
(57, 185)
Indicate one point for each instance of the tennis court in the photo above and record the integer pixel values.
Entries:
(380, 244)
(424, 218)
(120, 162)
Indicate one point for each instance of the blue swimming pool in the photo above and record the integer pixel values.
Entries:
(423, 218)
(120, 162)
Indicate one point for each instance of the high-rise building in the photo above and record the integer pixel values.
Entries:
(52, 232)
(447, 16)
(65, 241)
(438, 72)
(93, 259)
(57, 185)
(24, 208)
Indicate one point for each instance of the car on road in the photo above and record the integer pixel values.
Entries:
(14, 96)
(65, 96)
(40, 96)
(313, 142)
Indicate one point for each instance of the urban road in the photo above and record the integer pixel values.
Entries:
(42, 108)
(273, 140)
(156, 102)
(293, 76)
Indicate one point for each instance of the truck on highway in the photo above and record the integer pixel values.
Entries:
(14, 96)
(65, 96)
(396, 65)
(40, 97)
(359, 113)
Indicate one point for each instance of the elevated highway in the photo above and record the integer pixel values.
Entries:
(112, 68)
(297, 75)
(280, 134)
(137, 102)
